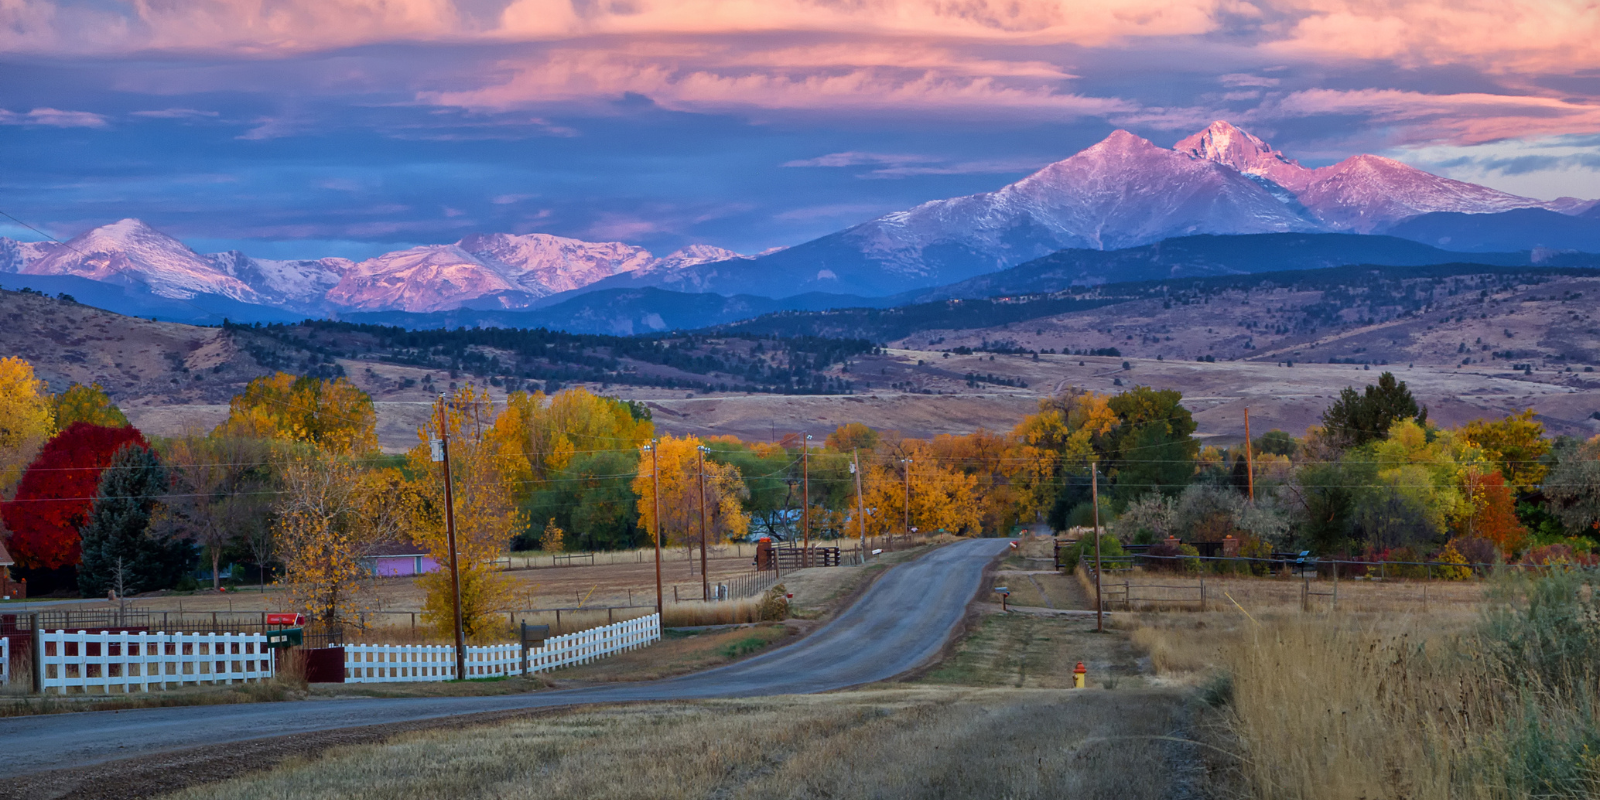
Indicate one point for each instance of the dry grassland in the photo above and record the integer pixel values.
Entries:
(931, 742)
(1177, 591)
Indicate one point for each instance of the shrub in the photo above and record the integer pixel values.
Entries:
(1476, 550)
(1191, 558)
(1450, 555)
(1110, 547)
(775, 605)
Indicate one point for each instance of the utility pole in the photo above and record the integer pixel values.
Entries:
(705, 581)
(450, 538)
(1094, 497)
(1249, 456)
(655, 484)
(861, 509)
(805, 501)
(907, 521)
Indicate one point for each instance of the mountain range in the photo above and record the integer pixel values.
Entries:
(1119, 195)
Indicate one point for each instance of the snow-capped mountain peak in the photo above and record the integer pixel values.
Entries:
(1225, 144)
(129, 251)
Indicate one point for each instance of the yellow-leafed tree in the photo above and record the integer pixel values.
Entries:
(26, 419)
(333, 415)
(547, 430)
(1067, 433)
(330, 516)
(481, 463)
(680, 494)
(941, 498)
(89, 404)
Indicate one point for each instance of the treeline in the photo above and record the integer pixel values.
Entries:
(544, 359)
(1349, 295)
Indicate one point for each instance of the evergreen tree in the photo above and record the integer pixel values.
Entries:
(1355, 419)
(120, 551)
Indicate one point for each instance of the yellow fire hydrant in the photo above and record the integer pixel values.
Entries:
(1079, 673)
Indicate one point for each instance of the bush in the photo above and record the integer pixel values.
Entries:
(1110, 547)
(775, 605)
(1191, 558)
(1450, 555)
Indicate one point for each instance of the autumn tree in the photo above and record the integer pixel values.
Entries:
(56, 492)
(89, 404)
(329, 517)
(1056, 446)
(1491, 512)
(482, 461)
(852, 436)
(680, 494)
(221, 488)
(592, 497)
(548, 431)
(1515, 445)
(27, 419)
(991, 460)
(121, 550)
(941, 498)
(331, 414)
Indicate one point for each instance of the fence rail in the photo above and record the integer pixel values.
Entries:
(379, 663)
(86, 661)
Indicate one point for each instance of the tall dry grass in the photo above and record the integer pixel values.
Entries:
(726, 612)
(1328, 707)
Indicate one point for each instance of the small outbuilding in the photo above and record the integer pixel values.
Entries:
(400, 560)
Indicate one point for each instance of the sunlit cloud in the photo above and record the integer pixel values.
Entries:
(53, 118)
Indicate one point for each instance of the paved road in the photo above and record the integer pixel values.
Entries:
(900, 623)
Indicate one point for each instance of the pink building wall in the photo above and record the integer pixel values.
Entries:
(401, 566)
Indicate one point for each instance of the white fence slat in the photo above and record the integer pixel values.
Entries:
(138, 661)
(385, 663)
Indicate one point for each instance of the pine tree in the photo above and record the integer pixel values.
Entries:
(120, 551)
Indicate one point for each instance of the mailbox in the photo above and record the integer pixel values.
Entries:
(534, 634)
(285, 638)
(286, 619)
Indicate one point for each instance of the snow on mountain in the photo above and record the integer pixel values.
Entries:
(427, 278)
(299, 284)
(542, 264)
(15, 255)
(1120, 192)
(499, 270)
(694, 255)
(1363, 193)
(129, 251)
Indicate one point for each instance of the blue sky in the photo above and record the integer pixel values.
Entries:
(350, 127)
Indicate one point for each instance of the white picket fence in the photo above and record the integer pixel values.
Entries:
(86, 661)
(385, 663)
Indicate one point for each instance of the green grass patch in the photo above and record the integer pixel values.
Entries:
(744, 647)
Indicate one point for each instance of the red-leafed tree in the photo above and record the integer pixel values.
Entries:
(1492, 511)
(56, 491)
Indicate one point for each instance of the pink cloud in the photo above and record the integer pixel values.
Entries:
(53, 118)
(1464, 118)
(1497, 35)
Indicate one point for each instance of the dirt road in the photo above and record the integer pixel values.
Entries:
(902, 622)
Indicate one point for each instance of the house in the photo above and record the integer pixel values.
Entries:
(400, 559)
(8, 589)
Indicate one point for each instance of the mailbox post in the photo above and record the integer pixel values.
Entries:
(532, 635)
(1004, 593)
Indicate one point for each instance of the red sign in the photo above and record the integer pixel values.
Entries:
(286, 619)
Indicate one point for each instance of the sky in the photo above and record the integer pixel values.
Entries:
(306, 128)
